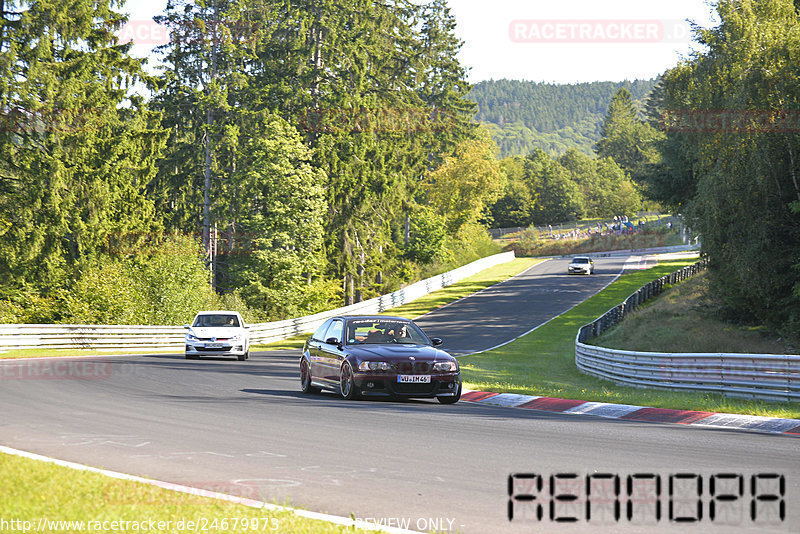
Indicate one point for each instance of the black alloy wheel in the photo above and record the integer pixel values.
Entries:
(305, 379)
(347, 383)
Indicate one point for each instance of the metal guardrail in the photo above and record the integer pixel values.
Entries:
(773, 377)
(81, 336)
(65, 336)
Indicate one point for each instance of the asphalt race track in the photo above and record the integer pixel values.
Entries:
(512, 308)
(245, 428)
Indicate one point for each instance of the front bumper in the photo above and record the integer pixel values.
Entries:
(386, 385)
(579, 270)
(222, 348)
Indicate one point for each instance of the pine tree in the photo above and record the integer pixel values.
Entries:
(248, 168)
(625, 138)
(77, 153)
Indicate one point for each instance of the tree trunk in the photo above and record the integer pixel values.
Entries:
(348, 289)
(360, 290)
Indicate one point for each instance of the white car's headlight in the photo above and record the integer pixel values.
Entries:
(191, 337)
(374, 366)
(445, 367)
(237, 337)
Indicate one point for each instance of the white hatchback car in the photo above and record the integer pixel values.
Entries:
(581, 264)
(217, 333)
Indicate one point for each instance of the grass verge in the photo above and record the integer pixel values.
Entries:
(543, 363)
(437, 299)
(685, 319)
(33, 490)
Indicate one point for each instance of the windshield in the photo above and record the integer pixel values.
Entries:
(377, 331)
(216, 320)
(580, 260)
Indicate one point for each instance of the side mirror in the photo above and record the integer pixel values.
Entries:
(436, 341)
(332, 341)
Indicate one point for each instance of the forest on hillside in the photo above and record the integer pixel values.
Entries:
(524, 115)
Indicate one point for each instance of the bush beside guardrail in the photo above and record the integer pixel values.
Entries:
(762, 376)
(65, 336)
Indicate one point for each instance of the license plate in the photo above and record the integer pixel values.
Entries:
(414, 379)
(213, 345)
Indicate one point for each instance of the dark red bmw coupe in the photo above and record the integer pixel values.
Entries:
(378, 356)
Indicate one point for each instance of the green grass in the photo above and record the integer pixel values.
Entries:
(295, 342)
(686, 319)
(33, 489)
(428, 303)
(543, 363)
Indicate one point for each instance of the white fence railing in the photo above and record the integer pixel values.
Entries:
(65, 336)
(773, 377)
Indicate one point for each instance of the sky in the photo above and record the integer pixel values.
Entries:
(558, 41)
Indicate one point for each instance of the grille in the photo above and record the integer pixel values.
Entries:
(416, 368)
(422, 368)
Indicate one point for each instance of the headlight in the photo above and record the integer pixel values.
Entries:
(445, 367)
(191, 337)
(374, 366)
(237, 337)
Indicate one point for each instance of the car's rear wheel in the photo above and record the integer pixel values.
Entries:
(347, 383)
(305, 379)
(451, 400)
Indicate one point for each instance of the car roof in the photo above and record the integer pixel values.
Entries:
(375, 317)
(215, 312)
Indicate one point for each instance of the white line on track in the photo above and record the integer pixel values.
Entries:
(345, 521)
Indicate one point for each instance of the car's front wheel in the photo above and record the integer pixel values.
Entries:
(305, 379)
(451, 399)
(347, 382)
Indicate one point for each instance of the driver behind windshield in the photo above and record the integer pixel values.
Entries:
(399, 331)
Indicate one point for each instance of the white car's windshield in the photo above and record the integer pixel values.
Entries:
(580, 260)
(216, 320)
